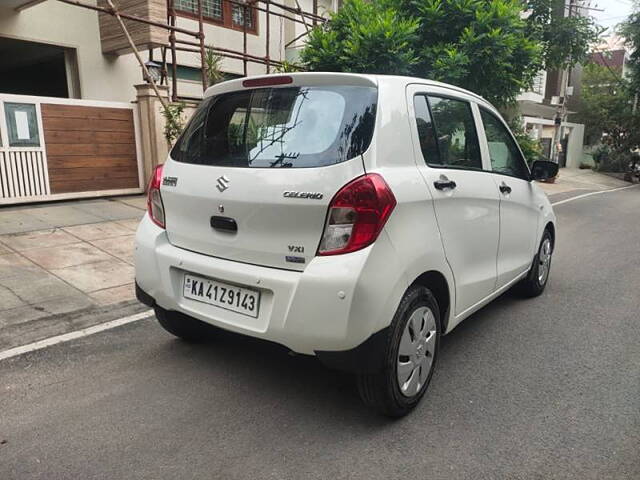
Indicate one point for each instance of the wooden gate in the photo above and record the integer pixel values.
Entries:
(53, 149)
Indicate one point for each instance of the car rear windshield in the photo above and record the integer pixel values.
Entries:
(295, 127)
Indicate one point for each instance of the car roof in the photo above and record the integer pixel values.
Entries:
(327, 78)
(425, 81)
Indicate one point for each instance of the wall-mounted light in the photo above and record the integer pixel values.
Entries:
(155, 71)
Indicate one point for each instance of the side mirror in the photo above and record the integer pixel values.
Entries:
(543, 170)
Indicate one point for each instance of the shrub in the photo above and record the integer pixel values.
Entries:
(609, 160)
(173, 121)
(531, 148)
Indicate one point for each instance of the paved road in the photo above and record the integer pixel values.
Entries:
(540, 389)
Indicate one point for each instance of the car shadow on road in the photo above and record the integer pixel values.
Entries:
(253, 370)
(264, 369)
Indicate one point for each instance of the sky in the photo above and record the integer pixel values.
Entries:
(615, 11)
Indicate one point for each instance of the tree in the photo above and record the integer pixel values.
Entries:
(565, 39)
(364, 38)
(630, 30)
(608, 113)
(481, 45)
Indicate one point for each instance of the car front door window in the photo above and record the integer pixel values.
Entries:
(505, 155)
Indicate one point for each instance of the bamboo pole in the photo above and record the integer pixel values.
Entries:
(205, 79)
(173, 29)
(303, 34)
(163, 51)
(302, 16)
(268, 35)
(234, 55)
(289, 9)
(137, 54)
(174, 58)
(195, 44)
(315, 12)
(244, 38)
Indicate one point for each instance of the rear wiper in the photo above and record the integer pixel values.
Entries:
(280, 159)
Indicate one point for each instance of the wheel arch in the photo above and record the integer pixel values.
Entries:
(437, 283)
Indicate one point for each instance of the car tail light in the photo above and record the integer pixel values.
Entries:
(356, 215)
(154, 199)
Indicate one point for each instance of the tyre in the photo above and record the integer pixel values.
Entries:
(183, 326)
(410, 353)
(538, 276)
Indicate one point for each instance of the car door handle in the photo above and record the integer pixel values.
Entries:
(444, 184)
(505, 189)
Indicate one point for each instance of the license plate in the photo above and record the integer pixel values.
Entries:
(220, 294)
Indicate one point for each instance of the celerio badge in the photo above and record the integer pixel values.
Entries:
(309, 195)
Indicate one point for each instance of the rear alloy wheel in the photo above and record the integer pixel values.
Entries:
(416, 351)
(410, 355)
(538, 276)
(544, 261)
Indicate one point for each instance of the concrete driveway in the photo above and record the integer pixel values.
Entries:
(572, 182)
(64, 266)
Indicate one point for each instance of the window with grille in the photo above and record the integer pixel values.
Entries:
(210, 8)
(224, 12)
(238, 12)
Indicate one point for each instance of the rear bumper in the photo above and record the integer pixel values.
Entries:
(335, 305)
(364, 358)
(144, 297)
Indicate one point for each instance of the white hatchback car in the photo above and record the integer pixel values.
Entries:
(352, 217)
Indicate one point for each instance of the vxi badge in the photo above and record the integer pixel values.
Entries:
(170, 181)
(310, 195)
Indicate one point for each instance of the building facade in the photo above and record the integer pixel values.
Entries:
(52, 48)
(613, 53)
(547, 107)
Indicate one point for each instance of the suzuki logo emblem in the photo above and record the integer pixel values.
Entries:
(223, 183)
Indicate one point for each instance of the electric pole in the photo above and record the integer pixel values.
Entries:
(561, 114)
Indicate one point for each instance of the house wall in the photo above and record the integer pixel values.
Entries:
(101, 77)
(111, 77)
(542, 129)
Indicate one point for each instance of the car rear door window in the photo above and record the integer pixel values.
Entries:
(291, 127)
(503, 150)
(426, 130)
(457, 138)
